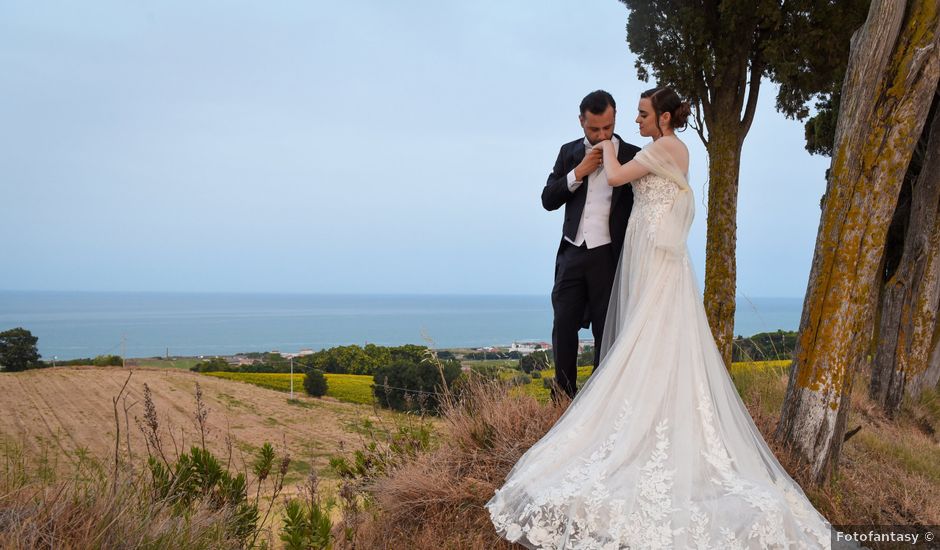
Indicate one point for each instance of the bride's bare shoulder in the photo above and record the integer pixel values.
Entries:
(676, 149)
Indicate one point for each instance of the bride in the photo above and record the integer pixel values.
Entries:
(657, 450)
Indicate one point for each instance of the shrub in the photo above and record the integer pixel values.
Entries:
(216, 364)
(108, 361)
(586, 357)
(765, 346)
(538, 360)
(521, 380)
(307, 525)
(487, 372)
(315, 383)
(411, 386)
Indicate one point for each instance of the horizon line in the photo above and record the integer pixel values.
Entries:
(317, 293)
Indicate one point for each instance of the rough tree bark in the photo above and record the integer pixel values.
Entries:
(889, 84)
(909, 302)
(930, 377)
(728, 112)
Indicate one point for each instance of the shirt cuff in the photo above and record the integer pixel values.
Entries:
(573, 183)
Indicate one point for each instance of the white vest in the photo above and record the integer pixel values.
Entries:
(594, 228)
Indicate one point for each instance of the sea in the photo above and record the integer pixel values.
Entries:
(72, 325)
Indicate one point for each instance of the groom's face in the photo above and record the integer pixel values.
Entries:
(597, 128)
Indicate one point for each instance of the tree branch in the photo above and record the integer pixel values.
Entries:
(699, 126)
(701, 88)
(757, 69)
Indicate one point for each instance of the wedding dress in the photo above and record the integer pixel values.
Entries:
(657, 450)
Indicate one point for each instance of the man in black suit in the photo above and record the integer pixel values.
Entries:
(596, 217)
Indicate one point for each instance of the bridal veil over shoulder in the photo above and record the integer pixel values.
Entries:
(657, 450)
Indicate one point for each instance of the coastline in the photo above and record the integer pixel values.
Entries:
(73, 325)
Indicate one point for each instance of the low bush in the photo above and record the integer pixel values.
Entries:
(315, 383)
(411, 386)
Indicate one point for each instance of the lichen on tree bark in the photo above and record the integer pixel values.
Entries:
(890, 81)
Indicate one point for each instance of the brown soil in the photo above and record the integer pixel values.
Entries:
(66, 409)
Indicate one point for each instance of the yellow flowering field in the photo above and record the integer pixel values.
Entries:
(352, 388)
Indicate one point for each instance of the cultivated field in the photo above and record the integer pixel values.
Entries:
(68, 411)
(351, 388)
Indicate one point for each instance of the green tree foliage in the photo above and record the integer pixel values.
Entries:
(261, 366)
(357, 360)
(527, 364)
(18, 350)
(409, 352)
(766, 346)
(489, 355)
(715, 53)
(413, 386)
(536, 361)
(315, 382)
(485, 371)
(215, 364)
(108, 361)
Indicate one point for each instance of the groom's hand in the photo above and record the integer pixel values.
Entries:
(592, 159)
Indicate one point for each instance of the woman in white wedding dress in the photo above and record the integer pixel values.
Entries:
(657, 450)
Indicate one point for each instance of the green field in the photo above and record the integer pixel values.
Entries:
(184, 363)
(352, 388)
(357, 388)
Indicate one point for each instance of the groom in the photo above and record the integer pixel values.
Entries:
(592, 236)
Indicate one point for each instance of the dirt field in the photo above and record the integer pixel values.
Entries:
(70, 408)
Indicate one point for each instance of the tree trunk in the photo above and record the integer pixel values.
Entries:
(724, 162)
(910, 298)
(889, 84)
(729, 111)
(930, 377)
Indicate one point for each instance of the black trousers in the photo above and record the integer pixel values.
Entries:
(583, 280)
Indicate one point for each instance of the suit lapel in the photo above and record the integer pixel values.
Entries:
(622, 157)
(578, 153)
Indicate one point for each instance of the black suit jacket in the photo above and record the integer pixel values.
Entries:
(556, 193)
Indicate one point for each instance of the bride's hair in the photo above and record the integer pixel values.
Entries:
(666, 100)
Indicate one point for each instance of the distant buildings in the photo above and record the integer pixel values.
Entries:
(300, 353)
(527, 347)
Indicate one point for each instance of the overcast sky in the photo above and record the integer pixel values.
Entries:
(347, 147)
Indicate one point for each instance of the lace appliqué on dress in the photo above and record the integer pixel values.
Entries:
(578, 507)
(653, 195)
(768, 530)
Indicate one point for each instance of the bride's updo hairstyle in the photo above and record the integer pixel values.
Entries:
(666, 100)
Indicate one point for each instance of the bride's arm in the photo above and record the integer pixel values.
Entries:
(619, 174)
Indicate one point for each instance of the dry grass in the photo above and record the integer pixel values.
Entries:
(170, 498)
(103, 513)
(889, 471)
(436, 500)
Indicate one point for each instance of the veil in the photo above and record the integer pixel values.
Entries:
(670, 238)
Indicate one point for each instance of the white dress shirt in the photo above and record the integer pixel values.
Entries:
(594, 227)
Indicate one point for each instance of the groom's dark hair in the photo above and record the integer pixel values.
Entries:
(597, 102)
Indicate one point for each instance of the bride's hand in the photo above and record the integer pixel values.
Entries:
(605, 145)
